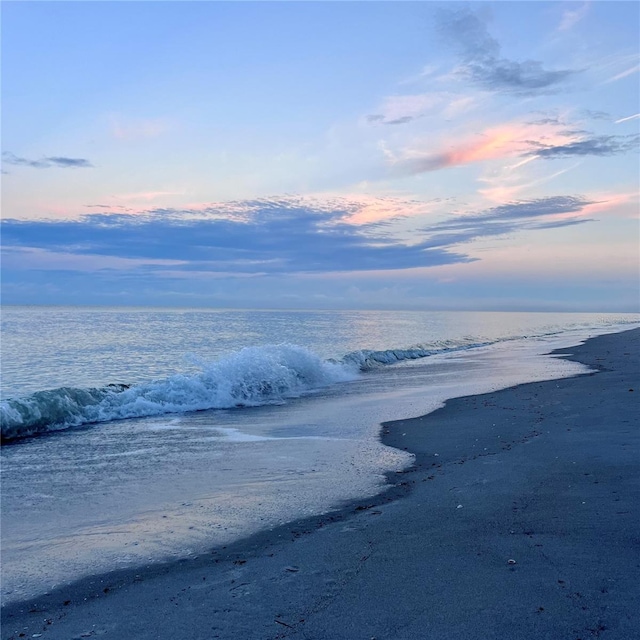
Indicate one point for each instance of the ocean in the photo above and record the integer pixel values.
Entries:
(135, 435)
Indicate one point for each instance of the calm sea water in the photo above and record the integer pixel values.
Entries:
(163, 432)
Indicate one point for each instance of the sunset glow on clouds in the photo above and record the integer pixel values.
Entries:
(507, 141)
(419, 154)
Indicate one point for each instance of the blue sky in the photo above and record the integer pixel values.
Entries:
(321, 154)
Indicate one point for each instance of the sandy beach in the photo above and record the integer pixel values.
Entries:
(519, 520)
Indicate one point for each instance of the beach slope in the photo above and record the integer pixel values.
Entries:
(520, 519)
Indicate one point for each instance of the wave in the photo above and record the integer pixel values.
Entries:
(365, 359)
(253, 376)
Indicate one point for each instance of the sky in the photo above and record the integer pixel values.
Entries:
(362, 155)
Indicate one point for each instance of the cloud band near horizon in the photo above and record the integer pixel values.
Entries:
(283, 236)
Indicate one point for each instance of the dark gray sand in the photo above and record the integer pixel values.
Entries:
(519, 520)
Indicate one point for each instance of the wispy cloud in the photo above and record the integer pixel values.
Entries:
(571, 17)
(521, 210)
(377, 117)
(504, 186)
(128, 129)
(623, 74)
(593, 146)
(482, 63)
(622, 204)
(633, 117)
(596, 115)
(402, 109)
(36, 259)
(544, 213)
(46, 162)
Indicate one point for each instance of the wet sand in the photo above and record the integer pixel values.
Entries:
(520, 519)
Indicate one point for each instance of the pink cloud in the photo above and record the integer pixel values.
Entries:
(147, 195)
(615, 203)
(365, 209)
(576, 258)
(509, 140)
(359, 209)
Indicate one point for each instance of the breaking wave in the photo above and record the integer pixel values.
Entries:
(251, 377)
(366, 359)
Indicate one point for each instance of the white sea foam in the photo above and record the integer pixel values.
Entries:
(253, 376)
(366, 359)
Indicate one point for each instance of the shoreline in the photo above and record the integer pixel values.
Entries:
(435, 563)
